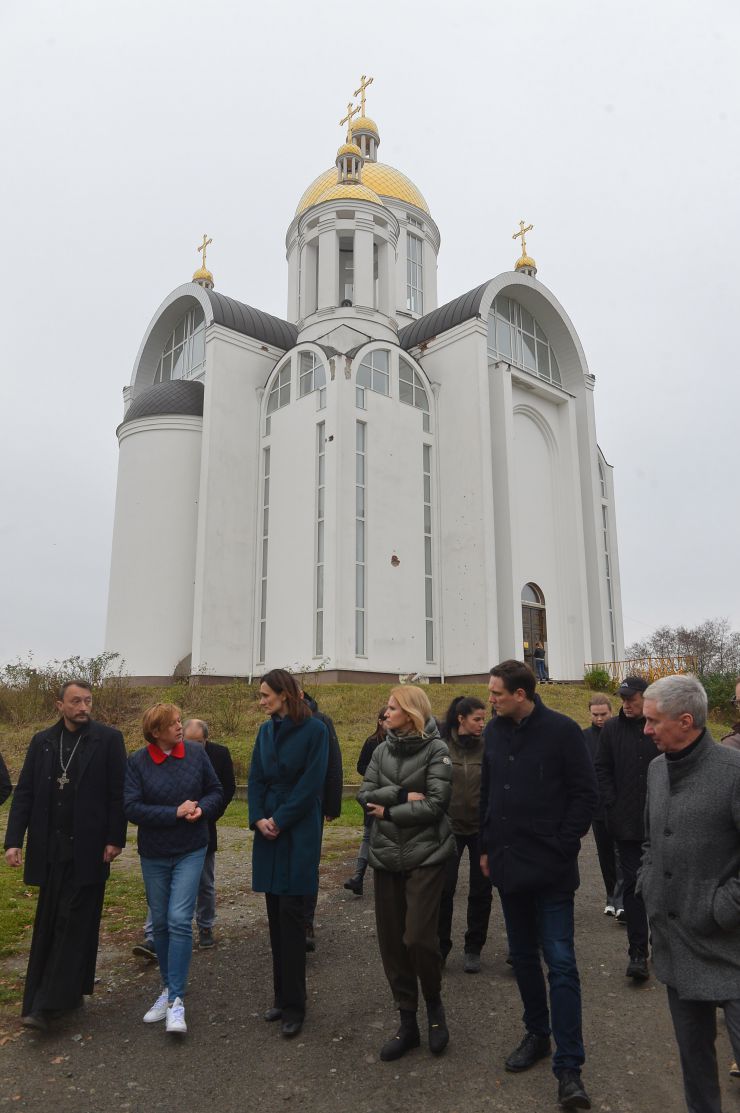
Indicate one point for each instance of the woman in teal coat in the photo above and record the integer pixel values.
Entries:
(286, 785)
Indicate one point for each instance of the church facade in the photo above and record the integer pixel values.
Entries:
(375, 485)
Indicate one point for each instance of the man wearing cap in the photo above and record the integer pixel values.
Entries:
(622, 761)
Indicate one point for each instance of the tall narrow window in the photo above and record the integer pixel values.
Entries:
(608, 569)
(346, 269)
(184, 353)
(428, 588)
(414, 273)
(360, 535)
(320, 513)
(265, 531)
(311, 374)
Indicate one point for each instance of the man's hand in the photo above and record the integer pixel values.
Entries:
(484, 865)
(13, 856)
(110, 853)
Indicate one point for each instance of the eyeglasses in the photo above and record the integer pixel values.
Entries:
(735, 701)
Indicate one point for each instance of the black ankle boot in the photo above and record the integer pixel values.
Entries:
(354, 883)
(439, 1035)
(406, 1038)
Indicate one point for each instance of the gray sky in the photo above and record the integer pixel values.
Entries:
(130, 128)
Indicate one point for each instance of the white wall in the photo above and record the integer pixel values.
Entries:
(150, 608)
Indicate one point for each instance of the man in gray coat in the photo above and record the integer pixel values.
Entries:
(690, 879)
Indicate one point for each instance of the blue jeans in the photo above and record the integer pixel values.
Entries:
(205, 910)
(171, 889)
(544, 920)
(539, 667)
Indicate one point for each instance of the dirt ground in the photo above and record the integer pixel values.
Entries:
(104, 1058)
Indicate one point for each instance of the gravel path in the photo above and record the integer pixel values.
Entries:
(103, 1058)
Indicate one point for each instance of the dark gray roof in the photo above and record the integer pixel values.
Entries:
(440, 320)
(179, 396)
(239, 317)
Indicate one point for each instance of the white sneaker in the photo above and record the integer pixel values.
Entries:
(610, 910)
(176, 1017)
(158, 1010)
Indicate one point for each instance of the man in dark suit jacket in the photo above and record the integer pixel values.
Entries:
(68, 805)
(196, 730)
(538, 796)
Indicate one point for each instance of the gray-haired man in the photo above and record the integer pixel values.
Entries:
(690, 879)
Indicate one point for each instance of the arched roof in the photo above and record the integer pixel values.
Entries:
(440, 320)
(177, 396)
(242, 318)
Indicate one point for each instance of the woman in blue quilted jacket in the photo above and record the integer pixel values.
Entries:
(171, 792)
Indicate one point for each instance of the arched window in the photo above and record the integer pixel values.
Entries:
(279, 395)
(515, 336)
(184, 354)
(374, 374)
(412, 391)
(311, 374)
(534, 625)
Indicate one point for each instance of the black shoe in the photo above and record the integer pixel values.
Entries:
(638, 967)
(472, 963)
(530, 1050)
(272, 1014)
(354, 883)
(205, 938)
(290, 1028)
(145, 950)
(406, 1038)
(571, 1093)
(439, 1035)
(310, 938)
(35, 1020)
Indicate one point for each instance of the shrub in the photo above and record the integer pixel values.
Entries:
(598, 680)
(28, 692)
(720, 688)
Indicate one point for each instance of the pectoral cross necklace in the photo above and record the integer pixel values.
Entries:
(64, 779)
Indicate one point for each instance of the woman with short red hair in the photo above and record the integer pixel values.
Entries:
(171, 792)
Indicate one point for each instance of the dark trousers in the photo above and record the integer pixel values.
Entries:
(544, 920)
(406, 916)
(288, 943)
(630, 854)
(479, 898)
(609, 863)
(695, 1025)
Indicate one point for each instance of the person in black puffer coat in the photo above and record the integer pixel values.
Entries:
(407, 790)
(622, 761)
(370, 745)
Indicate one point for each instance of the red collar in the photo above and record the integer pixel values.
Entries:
(159, 756)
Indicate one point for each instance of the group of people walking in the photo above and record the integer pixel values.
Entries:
(517, 791)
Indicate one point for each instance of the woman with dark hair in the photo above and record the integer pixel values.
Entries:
(354, 883)
(406, 790)
(171, 792)
(285, 792)
(540, 667)
(463, 731)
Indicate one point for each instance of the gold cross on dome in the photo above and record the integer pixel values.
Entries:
(202, 247)
(351, 111)
(364, 83)
(521, 233)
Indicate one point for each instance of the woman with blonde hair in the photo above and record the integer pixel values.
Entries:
(171, 792)
(407, 790)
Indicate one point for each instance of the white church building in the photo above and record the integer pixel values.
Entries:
(375, 485)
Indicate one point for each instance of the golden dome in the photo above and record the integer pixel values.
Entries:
(339, 190)
(384, 180)
(364, 123)
(525, 261)
(349, 149)
(203, 275)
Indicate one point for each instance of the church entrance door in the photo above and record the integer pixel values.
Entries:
(534, 621)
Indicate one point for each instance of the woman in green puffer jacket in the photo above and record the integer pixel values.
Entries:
(407, 790)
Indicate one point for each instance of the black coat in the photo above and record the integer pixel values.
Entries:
(332, 800)
(5, 786)
(223, 767)
(591, 737)
(538, 796)
(622, 761)
(98, 804)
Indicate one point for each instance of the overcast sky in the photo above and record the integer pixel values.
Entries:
(130, 128)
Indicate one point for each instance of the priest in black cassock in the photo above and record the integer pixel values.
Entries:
(68, 804)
